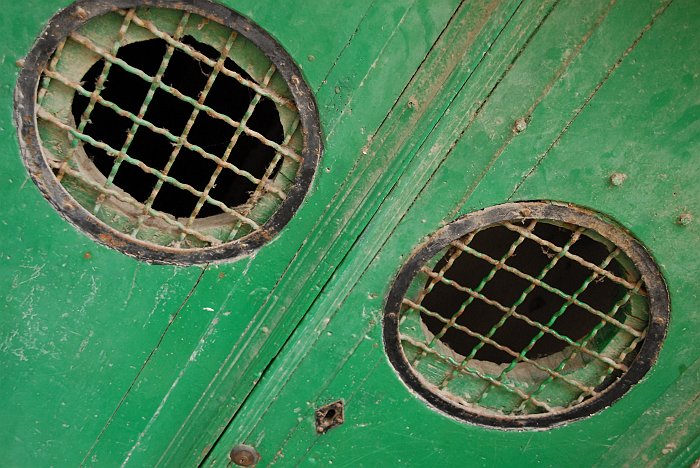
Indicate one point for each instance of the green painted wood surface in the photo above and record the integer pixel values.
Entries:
(106, 360)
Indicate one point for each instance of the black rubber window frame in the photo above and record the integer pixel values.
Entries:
(73, 17)
(657, 293)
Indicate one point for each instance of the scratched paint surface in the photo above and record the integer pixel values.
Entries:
(109, 361)
(605, 87)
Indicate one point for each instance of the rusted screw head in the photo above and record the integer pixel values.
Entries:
(244, 455)
(618, 178)
(81, 13)
(520, 125)
(684, 219)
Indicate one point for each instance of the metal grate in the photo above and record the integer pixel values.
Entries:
(187, 134)
(526, 315)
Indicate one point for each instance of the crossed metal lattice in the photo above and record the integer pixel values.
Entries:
(523, 397)
(76, 131)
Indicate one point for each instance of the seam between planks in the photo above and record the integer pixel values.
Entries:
(348, 180)
(145, 363)
(590, 97)
(420, 145)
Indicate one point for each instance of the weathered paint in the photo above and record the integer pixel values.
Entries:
(108, 360)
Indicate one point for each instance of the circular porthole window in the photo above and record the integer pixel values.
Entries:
(526, 315)
(176, 132)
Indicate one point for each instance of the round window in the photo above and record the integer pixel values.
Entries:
(526, 315)
(174, 132)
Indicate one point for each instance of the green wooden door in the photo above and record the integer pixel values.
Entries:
(107, 360)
